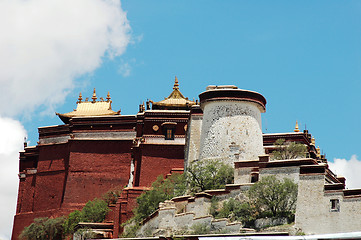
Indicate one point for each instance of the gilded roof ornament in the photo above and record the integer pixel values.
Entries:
(296, 127)
(318, 152)
(108, 97)
(175, 100)
(94, 96)
(176, 84)
(80, 98)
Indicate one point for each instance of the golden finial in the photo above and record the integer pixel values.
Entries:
(108, 97)
(313, 141)
(94, 96)
(296, 127)
(80, 98)
(176, 85)
(318, 152)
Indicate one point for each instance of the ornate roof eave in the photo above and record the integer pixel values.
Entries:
(175, 99)
(92, 108)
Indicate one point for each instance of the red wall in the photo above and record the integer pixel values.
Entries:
(158, 160)
(94, 168)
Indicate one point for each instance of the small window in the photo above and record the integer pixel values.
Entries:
(254, 177)
(335, 205)
(169, 134)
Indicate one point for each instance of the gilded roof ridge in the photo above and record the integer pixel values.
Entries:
(95, 107)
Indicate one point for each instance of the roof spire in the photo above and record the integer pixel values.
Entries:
(80, 98)
(296, 127)
(108, 97)
(94, 96)
(176, 85)
(313, 141)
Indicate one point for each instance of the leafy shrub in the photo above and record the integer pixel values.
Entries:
(287, 150)
(93, 211)
(148, 202)
(274, 197)
(44, 229)
(199, 229)
(162, 189)
(206, 175)
(234, 210)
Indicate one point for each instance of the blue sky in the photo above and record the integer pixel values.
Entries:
(303, 56)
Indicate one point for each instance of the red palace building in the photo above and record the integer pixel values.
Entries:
(97, 149)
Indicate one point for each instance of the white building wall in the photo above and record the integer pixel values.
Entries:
(313, 211)
(291, 173)
(231, 131)
(193, 139)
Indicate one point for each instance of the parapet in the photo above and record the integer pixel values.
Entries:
(231, 92)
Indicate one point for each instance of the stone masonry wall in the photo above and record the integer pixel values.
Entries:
(231, 131)
(193, 139)
(314, 214)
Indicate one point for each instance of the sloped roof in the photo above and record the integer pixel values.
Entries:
(90, 108)
(174, 100)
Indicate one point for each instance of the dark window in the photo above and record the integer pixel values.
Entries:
(335, 205)
(254, 178)
(169, 134)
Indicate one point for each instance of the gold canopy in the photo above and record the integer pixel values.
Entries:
(90, 108)
(175, 100)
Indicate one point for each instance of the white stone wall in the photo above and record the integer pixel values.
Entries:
(242, 175)
(291, 173)
(313, 211)
(193, 139)
(231, 131)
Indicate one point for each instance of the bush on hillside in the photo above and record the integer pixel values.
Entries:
(44, 229)
(206, 175)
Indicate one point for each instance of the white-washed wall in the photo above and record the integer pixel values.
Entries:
(231, 131)
(193, 139)
(313, 211)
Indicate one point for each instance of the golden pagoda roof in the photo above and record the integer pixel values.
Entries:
(90, 108)
(175, 100)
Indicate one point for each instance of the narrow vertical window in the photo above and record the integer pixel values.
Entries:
(335, 205)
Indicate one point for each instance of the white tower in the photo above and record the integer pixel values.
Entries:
(231, 126)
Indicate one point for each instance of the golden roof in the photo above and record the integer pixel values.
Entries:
(174, 100)
(90, 108)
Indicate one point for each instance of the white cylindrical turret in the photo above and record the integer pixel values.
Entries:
(231, 126)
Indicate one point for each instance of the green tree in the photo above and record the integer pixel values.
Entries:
(288, 150)
(162, 189)
(93, 211)
(44, 229)
(274, 197)
(211, 174)
(236, 210)
(70, 223)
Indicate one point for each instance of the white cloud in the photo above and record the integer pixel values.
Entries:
(349, 169)
(11, 142)
(45, 45)
(125, 67)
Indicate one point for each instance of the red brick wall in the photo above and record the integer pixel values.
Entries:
(158, 160)
(94, 168)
